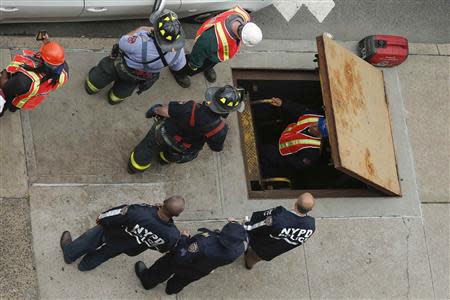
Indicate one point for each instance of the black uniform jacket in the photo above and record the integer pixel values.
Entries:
(140, 226)
(277, 230)
(196, 124)
(203, 252)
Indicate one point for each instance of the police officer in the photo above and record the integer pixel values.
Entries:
(185, 128)
(218, 40)
(31, 76)
(195, 257)
(277, 230)
(139, 57)
(129, 229)
(300, 144)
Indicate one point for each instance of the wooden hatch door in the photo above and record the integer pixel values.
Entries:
(357, 116)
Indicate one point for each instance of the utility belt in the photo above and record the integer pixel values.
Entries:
(173, 149)
(140, 75)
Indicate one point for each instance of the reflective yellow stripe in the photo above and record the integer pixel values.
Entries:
(62, 79)
(163, 157)
(300, 142)
(113, 97)
(136, 165)
(36, 80)
(242, 12)
(223, 38)
(308, 120)
(91, 85)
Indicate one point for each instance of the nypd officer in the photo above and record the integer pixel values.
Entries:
(195, 257)
(129, 229)
(218, 40)
(278, 230)
(139, 57)
(184, 127)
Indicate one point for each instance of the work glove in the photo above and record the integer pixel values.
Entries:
(151, 111)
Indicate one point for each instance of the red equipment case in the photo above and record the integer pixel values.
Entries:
(383, 50)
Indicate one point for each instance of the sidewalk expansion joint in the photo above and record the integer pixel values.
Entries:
(138, 184)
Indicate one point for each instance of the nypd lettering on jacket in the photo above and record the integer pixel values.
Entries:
(144, 236)
(277, 230)
(139, 225)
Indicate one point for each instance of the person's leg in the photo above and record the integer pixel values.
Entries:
(251, 258)
(121, 89)
(143, 155)
(159, 272)
(208, 71)
(100, 76)
(95, 258)
(177, 283)
(87, 242)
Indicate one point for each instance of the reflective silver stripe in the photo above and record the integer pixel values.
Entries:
(284, 239)
(254, 226)
(110, 213)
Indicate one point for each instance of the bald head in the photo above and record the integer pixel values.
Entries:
(174, 206)
(304, 203)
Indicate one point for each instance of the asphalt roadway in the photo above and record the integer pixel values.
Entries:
(421, 21)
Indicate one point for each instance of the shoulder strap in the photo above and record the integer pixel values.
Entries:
(216, 130)
(192, 118)
(160, 52)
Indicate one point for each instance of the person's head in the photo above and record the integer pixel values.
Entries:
(173, 206)
(224, 100)
(233, 236)
(250, 34)
(49, 62)
(304, 203)
(168, 31)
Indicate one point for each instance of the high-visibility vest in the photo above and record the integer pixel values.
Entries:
(293, 140)
(227, 45)
(37, 91)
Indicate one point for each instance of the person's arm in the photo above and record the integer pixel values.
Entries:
(17, 85)
(216, 142)
(291, 108)
(131, 42)
(115, 216)
(140, 29)
(261, 219)
(179, 63)
(162, 111)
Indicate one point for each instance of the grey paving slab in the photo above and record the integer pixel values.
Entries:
(425, 88)
(423, 49)
(13, 174)
(17, 268)
(81, 138)
(378, 258)
(444, 49)
(54, 210)
(436, 219)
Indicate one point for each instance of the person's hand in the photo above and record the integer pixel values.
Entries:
(158, 204)
(185, 232)
(151, 112)
(276, 101)
(46, 38)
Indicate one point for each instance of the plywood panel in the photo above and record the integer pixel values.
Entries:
(357, 116)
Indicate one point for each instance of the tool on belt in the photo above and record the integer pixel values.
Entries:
(383, 50)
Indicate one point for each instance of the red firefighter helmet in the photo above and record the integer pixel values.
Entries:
(52, 53)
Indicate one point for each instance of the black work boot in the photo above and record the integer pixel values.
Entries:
(181, 78)
(131, 170)
(210, 75)
(65, 240)
(139, 269)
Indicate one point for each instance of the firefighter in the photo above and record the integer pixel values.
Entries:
(195, 257)
(218, 40)
(299, 146)
(31, 76)
(184, 127)
(136, 61)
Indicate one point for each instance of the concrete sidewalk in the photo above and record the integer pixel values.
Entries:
(63, 163)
